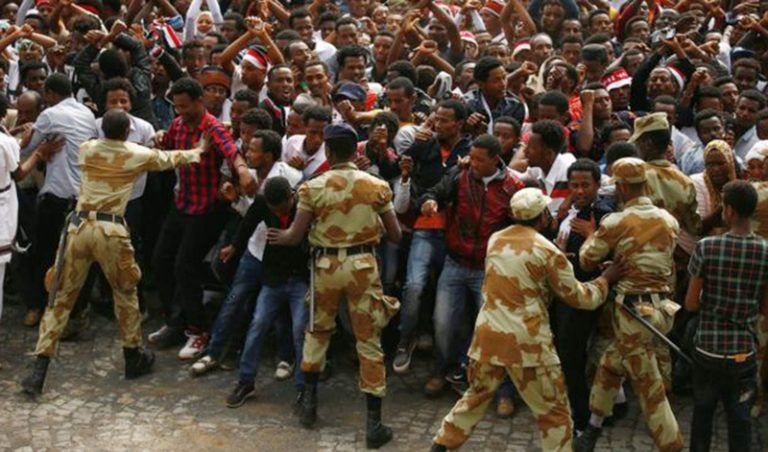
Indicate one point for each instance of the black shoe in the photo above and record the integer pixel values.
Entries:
(620, 411)
(307, 401)
(586, 442)
(376, 433)
(32, 385)
(437, 448)
(458, 381)
(167, 337)
(138, 362)
(241, 393)
(296, 407)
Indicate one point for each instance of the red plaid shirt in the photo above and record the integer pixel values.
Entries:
(198, 184)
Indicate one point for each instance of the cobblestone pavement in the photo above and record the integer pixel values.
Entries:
(87, 405)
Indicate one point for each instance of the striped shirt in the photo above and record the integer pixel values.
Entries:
(735, 271)
(197, 186)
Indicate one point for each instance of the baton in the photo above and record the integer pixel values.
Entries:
(656, 333)
(312, 292)
(59, 265)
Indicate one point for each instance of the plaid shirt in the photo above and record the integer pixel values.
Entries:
(735, 270)
(198, 184)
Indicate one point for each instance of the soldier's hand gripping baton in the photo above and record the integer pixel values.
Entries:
(59, 265)
(656, 332)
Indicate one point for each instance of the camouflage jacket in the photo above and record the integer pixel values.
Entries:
(645, 236)
(673, 191)
(346, 204)
(760, 217)
(110, 167)
(523, 272)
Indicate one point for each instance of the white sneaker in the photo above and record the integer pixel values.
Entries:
(153, 337)
(195, 345)
(203, 366)
(284, 371)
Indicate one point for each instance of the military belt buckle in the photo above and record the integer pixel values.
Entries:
(740, 358)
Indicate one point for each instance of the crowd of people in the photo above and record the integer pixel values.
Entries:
(555, 197)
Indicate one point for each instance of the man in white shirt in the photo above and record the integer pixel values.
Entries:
(263, 154)
(547, 163)
(748, 105)
(11, 169)
(307, 152)
(66, 118)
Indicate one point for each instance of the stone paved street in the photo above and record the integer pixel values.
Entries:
(88, 406)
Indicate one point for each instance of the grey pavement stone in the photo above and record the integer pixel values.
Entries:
(87, 405)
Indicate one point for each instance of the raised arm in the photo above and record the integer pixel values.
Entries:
(189, 20)
(226, 57)
(215, 9)
(457, 45)
(512, 10)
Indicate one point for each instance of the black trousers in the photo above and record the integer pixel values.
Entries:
(179, 268)
(573, 328)
(51, 212)
(735, 384)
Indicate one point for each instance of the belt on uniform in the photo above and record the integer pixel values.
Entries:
(739, 357)
(99, 216)
(358, 249)
(631, 299)
(5, 189)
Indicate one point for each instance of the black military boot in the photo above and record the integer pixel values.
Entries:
(376, 433)
(437, 448)
(308, 403)
(586, 442)
(138, 362)
(33, 384)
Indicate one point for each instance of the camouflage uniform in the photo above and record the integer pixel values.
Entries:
(670, 189)
(109, 171)
(346, 204)
(523, 272)
(645, 236)
(760, 227)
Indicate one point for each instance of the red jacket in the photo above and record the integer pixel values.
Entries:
(474, 211)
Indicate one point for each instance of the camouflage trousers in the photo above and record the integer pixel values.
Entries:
(354, 278)
(632, 355)
(542, 389)
(108, 244)
(762, 356)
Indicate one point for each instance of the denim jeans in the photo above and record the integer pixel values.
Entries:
(736, 385)
(427, 253)
(457, 287)
(271, 299)
(245, 287)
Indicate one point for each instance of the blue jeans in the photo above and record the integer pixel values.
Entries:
(427, 253)
(457, 287)
(245, 287)
(271, 299)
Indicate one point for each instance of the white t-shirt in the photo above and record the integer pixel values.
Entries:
(9, 203)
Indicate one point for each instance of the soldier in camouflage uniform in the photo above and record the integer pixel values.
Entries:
(760, 226)
(97, 233)
(343, 210)
(645, 236)
(669, 189)
(523, 272)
